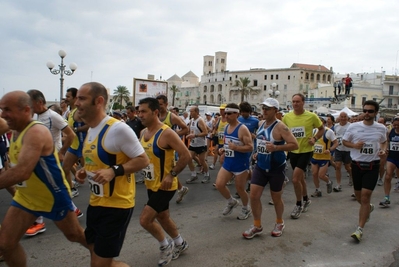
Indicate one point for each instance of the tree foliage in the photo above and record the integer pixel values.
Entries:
(243, 86)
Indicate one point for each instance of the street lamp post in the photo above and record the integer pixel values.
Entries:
(274, 92)
(62, 70)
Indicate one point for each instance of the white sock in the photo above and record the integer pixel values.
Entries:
(164, 243)
(194, 173)
(39, 219)
(178, 240)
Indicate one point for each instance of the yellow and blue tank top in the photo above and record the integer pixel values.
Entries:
(80, 136)
(322, 145)
(168, 120)
(120, 192)
(221, 125)
(161, 161)
(47, 183)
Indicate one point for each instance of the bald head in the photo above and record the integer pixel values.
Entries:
(18, 98)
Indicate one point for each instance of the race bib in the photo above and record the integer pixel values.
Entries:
(339, 139)
(394, 146)
(261, 147)
(149, 173)
(221, 135)
(21, 184)
(96, 188)
(368, 149)
(228, 152)
(318, 149)
(298, 132)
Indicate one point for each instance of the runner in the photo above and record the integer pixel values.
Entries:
(301, 122)
(323, 148)
(367, 141)
(171, 119)
(272, 139)
(392, 160)
(237, 148)
(160, 143)
(111, 153)
(36, 170)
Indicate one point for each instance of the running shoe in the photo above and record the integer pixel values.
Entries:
(337, 189)
(380, 182)
(139, 181)
(212, 166)
(329, 187)
(78, 213)
(296, 213)
(75, 184)
(244, 214)
(74, 192)
(179, 250)
(371, 210)
(36, 228)
(385, 203)
(166, 254)
(271, 202)
(278, 229)
(206, 179)
(181, 193)
(353, 195)
(316, 193)
(357, 235)
(192, 179)
(306, 205)
(252, 232)
(230, 206)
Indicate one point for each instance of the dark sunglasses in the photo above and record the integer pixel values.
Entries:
(229, 113)
(371, 111)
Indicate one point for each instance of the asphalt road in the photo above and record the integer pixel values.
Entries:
(320, 237)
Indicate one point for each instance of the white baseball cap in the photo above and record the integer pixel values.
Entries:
(271, 102)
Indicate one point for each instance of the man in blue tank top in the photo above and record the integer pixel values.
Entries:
(237, 148)
(272, 139)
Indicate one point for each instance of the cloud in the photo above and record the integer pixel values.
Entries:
(113, 42)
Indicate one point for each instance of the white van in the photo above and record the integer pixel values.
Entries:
(205, 108)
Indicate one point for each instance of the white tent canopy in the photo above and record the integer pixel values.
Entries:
(347, 111)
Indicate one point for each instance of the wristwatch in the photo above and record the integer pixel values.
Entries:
(75, 129)
(173, 173)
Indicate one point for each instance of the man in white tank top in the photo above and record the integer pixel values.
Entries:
(198, 132)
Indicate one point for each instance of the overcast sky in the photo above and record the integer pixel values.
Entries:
(113, 42)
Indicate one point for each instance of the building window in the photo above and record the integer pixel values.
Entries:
(285, 87)
(230, 78)
(363, 100)
(271, 77)
(353, 100)
(222, 61)
(391, 89)
(236, 76)
(255, 82)
(264, 87)
(289, 77)
(276, 76)
(210, 63)
(265, 77)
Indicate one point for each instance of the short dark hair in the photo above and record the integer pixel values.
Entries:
(245, 107)
(73, 91)
(153, 103)
(372, 103)
(163, 97)
(300, 95)
(232, 105)
(176, 109)
(37, 95)
(132, 109)
(331, 116)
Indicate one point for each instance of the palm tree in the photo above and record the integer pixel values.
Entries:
(121, 93)
(174, 90)
(242, 85)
